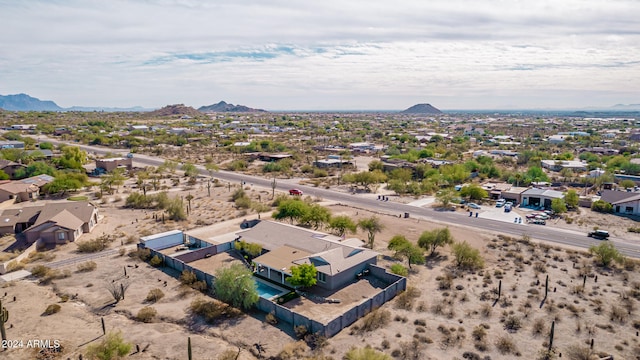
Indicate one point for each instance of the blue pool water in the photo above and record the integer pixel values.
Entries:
(266, 291)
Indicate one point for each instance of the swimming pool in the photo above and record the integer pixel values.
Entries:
(267, 291)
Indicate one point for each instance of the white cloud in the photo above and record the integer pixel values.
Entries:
(326, 55)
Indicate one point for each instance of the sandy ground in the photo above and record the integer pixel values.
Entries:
(439, 325)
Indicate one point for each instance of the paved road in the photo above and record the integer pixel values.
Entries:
(546, 233)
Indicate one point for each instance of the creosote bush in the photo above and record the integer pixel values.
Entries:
(375, 320)
(146, 314)
(52, 309)
(154, 295)
(87, 266)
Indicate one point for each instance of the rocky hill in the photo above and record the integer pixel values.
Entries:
(225, 107)
(24, 102)
(421, 109)
(172, 110)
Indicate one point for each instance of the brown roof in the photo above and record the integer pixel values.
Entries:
(66, 220)
(80, 209)
(70, 215)
(18, 187)
(614, 196)
(11, 217)
(281, 258)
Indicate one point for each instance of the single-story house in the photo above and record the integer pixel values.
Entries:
(558, 165)
(11, 144)
(514, 194)
(540, 197)
(18, 191)
(337, 261)
(54, 223)
(331, 163)
(273, 157)
(623, 202)
(10, 167)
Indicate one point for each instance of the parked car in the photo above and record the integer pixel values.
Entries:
(599, 234)
(474, 206)
(500, 203)
(295, 192)
(507, 207)
(537, 221)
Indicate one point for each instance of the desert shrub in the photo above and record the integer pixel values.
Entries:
(87, 266)
(538, 326)
(52, 309)
(486, 310)
(188, 277)
(95, 245)
(112, 346)
(271, 319)
(618, 314)
(601, 206)
(14, 266)
(445, 282)
(375, 320)
(579, 352)
(505, 345)
(54, 275)
(293, 351)
(512, 324)
(407, 298)
(146, 314)
(154, 295)
(300, 331)
(142, 254)
(40, 271)
(479, 333)
(398, 269)
(155, 261)
(365, 353)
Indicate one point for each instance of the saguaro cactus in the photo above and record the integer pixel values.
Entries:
(4, 317)
(546, 287)
(553, 325)
(189, 347)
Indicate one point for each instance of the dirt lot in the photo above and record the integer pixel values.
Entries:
(441, 321)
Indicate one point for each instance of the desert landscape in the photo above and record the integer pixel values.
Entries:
(497, 312)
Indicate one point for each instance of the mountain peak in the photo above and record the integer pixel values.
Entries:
(227, 107)
(421, 109)
(24, 102)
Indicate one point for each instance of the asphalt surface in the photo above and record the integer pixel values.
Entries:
(545, 233)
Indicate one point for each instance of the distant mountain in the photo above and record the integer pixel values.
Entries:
(108, 109)
(177, 109)
(24, 102)
(629, 107)
(421, 109)
(224, 107)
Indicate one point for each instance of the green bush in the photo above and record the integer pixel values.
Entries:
(602, 206)
(155, 261)
(40, 271)
(399, 269)
(52, 309)
(212, 310)
(466, 256)
(111, 347)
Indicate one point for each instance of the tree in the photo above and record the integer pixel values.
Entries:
(466, 256)
(445, 197)
(340, 224)
(72, 158)
(111, 347)
(35, 168)
(404, 248)
(626, 184)
(189, 169)
(558, 206)
(292, 209)
(372, 226)
(66, 181)
(366, 353)
(376, 165)
(303, 275)
(571, 199)
(175, 209)
(474, 191)
(235, 286)
(114, 178)
(211, 168)
(431, 240)
(536, 174)
(606, 253)
(316, 216)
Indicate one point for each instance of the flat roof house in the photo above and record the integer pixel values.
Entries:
(540, 197)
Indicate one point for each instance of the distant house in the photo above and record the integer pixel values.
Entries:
(139, 127)
(10, 167)
(362, 146)
(110, 164)
(558, 165)
(540, 197)
(331, 163)
(54, 223)
(273, 157)
(557, 139)
(24, 189)
(10, 144)
(21, 127)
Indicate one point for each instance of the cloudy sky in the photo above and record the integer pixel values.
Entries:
(323, 55)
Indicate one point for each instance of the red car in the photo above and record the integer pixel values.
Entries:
(295, 192)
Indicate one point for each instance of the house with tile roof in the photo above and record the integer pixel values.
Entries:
(24, 189)
(53, 223)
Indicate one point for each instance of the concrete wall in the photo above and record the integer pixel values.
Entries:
(34, 247)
